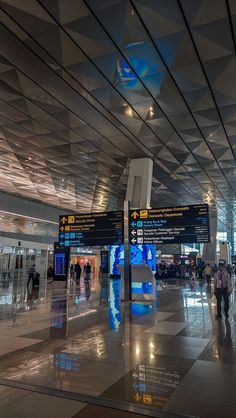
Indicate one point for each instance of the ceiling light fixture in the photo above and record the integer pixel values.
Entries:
(129, 112)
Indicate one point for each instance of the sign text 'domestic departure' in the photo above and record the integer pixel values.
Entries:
(172, 225)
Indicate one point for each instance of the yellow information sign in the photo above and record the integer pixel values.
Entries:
(137, 396)
(135, 214)
(147, 399)
(144, 214)
(63, 220)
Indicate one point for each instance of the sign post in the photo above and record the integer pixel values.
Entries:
(127, 265)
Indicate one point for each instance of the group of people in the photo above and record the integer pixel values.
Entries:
(76, 271)
(222, 279)
(190, 271)
(180, 271)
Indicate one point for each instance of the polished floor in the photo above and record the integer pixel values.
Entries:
(170, 355)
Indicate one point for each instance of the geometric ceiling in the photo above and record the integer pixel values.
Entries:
(23, 225)
(86, 85)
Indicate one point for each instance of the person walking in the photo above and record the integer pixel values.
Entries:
(78, 272)
(229, 270)
(182, 271)
(31, 273)
(87, 272)
(207, 273)
(200, 272)
(72, 271)
(223, 288)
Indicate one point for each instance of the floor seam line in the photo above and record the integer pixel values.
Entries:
(92, 400)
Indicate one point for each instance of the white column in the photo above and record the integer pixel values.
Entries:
(209, 249)
(139, 185)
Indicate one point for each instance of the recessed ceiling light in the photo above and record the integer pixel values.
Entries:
(151, 112)
(129, 112)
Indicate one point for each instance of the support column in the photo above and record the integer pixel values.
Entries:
(138, 196)
(230, 238)
(140, 183)
(209, 249)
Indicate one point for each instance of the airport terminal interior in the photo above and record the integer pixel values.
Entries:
(117, 208)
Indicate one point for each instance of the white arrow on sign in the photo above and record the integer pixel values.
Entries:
(135, 375)
(133, 232)
(133, 240)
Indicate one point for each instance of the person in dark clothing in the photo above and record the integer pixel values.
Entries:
(229, 270)
(200, 272)
(87, 271)
(223, 288)
(78, 271)
(50, 272)
(72, 271)
(31, 273)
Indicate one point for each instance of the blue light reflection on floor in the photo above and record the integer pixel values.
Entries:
(114, 305)
(138, 308)
(66, 361)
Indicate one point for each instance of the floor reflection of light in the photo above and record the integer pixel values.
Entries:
(82, 314)
(114, 305)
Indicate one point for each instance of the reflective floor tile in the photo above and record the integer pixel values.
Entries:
(219, 391)
(10, 344)
(25, 404)
(187, 347)
(202, 409)
(166, 327)
(211, 370)
(221, 354)
(151, 382)
(101, 412)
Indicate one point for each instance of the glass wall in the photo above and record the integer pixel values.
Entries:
(220, 236)
(188, 248)
(14, 265)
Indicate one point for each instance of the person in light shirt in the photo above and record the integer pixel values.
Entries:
(208, 272)
(223, 288)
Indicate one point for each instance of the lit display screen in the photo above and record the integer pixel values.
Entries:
(139, 254)
(60, 264)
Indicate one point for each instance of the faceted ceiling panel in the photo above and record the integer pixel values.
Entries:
(24, 225)
(87, 85)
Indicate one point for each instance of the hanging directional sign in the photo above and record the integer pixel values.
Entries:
(182, 224)
(91, 229)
